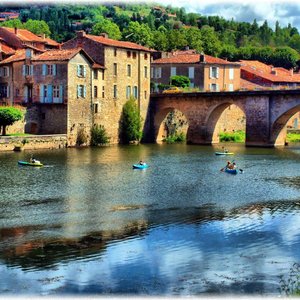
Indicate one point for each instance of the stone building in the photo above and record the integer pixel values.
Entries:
(205, 72)
(127, 73)
(57, 88)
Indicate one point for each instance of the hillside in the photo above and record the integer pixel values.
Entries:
(165, 28)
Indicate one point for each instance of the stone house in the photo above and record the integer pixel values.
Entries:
(57, 88)
(268, 76)
(205, 72)
(127, 73)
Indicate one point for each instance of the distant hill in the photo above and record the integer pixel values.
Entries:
(165, 28)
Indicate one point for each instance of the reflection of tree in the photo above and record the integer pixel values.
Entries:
(18, 249)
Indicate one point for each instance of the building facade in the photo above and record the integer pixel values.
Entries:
(205, 72)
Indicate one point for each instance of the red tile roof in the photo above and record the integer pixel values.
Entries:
(248, 85)
(6, 49)
(19, 55)
(182, 57)
(268, 72)
(115, 43)
(51, 42)
(25, 35)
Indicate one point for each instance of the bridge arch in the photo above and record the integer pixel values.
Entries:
(159, 122)
(279, 126)
(214, 116)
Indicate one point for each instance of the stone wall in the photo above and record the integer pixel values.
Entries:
(8, 143)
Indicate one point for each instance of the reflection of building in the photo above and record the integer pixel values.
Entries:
(204, 71)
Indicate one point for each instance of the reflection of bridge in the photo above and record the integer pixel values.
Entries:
(267, 113)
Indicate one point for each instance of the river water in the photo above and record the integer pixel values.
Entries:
(88, 224)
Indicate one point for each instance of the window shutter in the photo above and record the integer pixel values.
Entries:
(49, 93)
(31, 69)
(1, 72)
(209, 86)
(78, 91)
(44, 68)
(54, 69)
(84, 71)
(217, 72)
(42, 93)
(84, 91)
(217, 88)
(7, 93)
(25, 93)
(210, 72)
(24, 70)
(7, 71)
(78, 70)
(61, 93)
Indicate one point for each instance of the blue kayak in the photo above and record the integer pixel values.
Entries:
(26, 163)
(139, 166)
(231, 171)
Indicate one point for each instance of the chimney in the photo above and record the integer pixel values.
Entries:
(273, 71)
(16, 30)
(80, 33)
(104, 34)
(187, 48)
(292, 71)
(202, 57)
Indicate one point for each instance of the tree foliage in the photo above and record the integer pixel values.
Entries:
(106, 26)
(131, 129)
(8, 116)
(180, 81)
(99, 135)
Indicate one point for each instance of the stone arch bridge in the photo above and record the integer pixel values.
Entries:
(267, 113)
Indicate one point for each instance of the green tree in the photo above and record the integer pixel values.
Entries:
(37, 27)
(107, 26)
(131, 122)
(210, 41)
(180, 81)
(8, 116)
(15, 23)
(99, 135)
(138, 33)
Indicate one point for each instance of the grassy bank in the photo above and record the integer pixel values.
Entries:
(236, 137)
(293, 137)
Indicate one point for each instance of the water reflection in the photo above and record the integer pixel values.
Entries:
(90, 224)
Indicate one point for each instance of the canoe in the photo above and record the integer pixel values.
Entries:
(231, 171)
(139, 166)
(224, 153)
(26, 163)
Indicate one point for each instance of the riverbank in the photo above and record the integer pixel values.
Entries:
(32, 142)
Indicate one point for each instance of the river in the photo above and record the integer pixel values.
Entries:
(88, 224)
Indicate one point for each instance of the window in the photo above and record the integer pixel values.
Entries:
(128, 54)
(27, 70)
(96, 108)
(115, 91)
(214, 87)
(230, 87)
(81, 71)
(145, 94)
(191, 72)
(134, 54)
(173, 71)
(17, 92)
(4, 71)
(95, 74)
(115, 51)
(135, 92)
(115, 69)
(4, 91)
(95, 91)
(48, 69)
(214, 72)
(56, 91)
(145, 56)
(231, 73)
(128, 70)
(128, 91)
(103, 92)
(43, 116)
(157, 72)
(146, 72)
(151, 72)
(81, 91)
(103, 75)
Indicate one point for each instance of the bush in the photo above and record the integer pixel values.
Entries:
(293, 137)
(131, 122)
(81, 137)
(99, 135)
(237, 136)
(180, 81)
(175, 138)
(8, 116)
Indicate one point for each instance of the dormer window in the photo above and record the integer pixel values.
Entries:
(28, 53)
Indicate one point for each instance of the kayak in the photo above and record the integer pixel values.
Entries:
(26, 163)
(139, 166)
(224, 153)
(231, 171)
